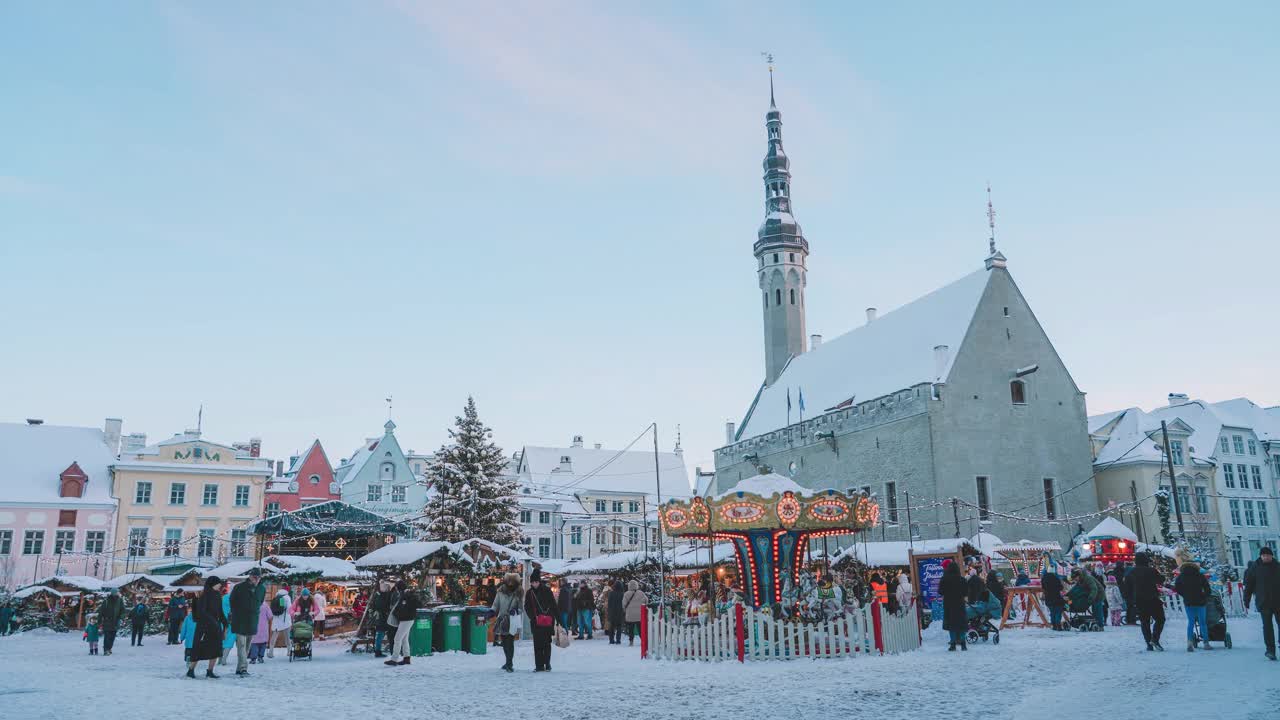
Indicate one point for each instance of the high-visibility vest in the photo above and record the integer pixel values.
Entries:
(881, 591)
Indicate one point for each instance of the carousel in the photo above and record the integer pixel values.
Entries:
(770, 520)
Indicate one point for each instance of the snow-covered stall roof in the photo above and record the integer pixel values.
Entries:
(1161, 550)
(81, 583)
(120, 581)
(28, 591)
(1029, 545)
(34, 457)
(502, 552)
(894, 553)
(985, 542)
(683, 558)
(407, 553)
(1111, 528)
(767, 485)
(890, 354)
(324, 568)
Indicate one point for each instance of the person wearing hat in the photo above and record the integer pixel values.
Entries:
(1262, 581)
(246, 604)
(506, 615)
(540, 606)
(109, 617)
(210, 624)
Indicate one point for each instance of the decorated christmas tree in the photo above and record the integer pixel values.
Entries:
(473, 497)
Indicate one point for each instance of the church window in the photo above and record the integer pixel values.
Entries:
(1018, 392)
(1006, 312)
(793, 296)
(777, 295)
(793, 257)
(766, 299)
(775, 257)
(984, 497)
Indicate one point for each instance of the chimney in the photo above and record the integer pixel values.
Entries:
(279, 468)
(133, 442)
(34, 421)
(111, 434)
(871, 315)
(941, 355)
(597, 446)
(1177, 399)
(577, 441)
(255, 447)
(728, 433)
(190, 434)
(566, 464)
(815, 341)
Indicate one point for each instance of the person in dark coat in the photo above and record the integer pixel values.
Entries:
(954, 591)
(584, 602)
(211, 623)
(137, 622)
(379, 609)
(564, 605)
(1142, 584)
(539, 603)
(109, 616)
(1263, 583)
(616, 617)
(995, 584)
(175, 613)
(246, 607)
(1051, 587)
(1194, 589)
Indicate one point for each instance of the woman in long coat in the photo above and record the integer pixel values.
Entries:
(954, 590)
(211, 625)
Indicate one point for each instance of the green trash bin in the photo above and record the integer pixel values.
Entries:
(475, 629)
(420, 634)
(448, 628)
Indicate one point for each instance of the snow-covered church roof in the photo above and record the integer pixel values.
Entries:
(890, 354)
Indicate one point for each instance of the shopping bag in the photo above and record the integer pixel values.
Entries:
(562, 637)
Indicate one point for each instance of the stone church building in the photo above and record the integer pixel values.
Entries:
(958, 394)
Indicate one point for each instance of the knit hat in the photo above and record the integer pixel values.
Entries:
(281, 592)
(1266, 550)
(305, 592)
(535, 576)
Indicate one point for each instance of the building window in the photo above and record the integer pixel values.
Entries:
(6, 542)
(1276, 461)
(172, 541)
(1237, 444)
(242, 496)
(239, 543)
(891, 497)
(205, 547)
(1257, 477)
(314, 479)
(399, 493)
(1229, 475)
(137, 542)
(142, 493)
(575, 534)
(793, 295)
(766, 299)
(1184, 499)
(544, 547)
(210, 495)
(273, 508)
(1202, 500)
(1175, 449)
(1050, 500)
(617, 506)
(984, 497)
(64, 541)
(1018, 392)
(793, 256)
(777, 296)
(600, 536)
(178, 494)
(1253, 447)
(526, 517)
(633, 506)
(1224, 444)
(600, 506)
(1237, 557)
(633, 535)
(775, 257)
(387, 473)
(1263, 520)
(544, 517)
(66, 518)
(417, 468)
(94, 541)
(1250, 518)
(33, 542)
(374, 493)
(1243, 472)
(1235, 511)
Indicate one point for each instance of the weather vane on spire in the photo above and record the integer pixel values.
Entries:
(388, 406)
(991, 220)
(768, 58)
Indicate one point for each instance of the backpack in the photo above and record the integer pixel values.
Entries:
(277, 606)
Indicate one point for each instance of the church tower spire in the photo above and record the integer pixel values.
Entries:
(781, 252)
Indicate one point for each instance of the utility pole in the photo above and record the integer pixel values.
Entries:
(1173, 480)
(662, 562)
(1137, 510)
(955, 514)
(911, 540)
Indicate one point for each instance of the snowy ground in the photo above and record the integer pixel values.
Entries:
(1031, 674)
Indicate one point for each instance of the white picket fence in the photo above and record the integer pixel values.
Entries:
(747, 634)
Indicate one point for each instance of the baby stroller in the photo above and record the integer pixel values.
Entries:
(1216, 618)
(979, 617)
(1080, 615)
(300, 634)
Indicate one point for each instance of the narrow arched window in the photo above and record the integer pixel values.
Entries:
(766, 299)
(777, 297)
(793, 296)
(1018, 392)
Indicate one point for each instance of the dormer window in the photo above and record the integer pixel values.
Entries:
(565, 460)
(71, 482)
(1175, 449)
(1018, 392)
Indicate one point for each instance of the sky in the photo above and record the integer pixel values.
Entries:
(285, 212)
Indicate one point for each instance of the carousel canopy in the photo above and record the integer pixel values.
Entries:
(766, 485)
(1028, 546)
(770, 502)
(329, 518)
(1111, 528)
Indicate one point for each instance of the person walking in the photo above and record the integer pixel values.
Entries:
(906, 593)
(1263, 583)
(954, 591)
(379, 610)
(1142, 584)
(633, 603)
(540, 605)
(1051, 587)
(280, 621)
(210, 626)
(228, 637)
(246, 608)
(584, 602)
(258, 651)
(109, 615)
(616, 615)
(564, 605)
(174, 613)
(404, 613)
(1194, 589)
(137, 622)
(187, 633)
(91, 634)
(506, 614)
(320, 604)
(1115, 601)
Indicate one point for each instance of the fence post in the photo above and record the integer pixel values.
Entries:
(878, 626)
(644, 631)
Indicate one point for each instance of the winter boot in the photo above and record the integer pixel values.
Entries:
(1159, 647)
(391, 662)
(191, 673)
(1150, 647)
(1206, 645)
(951, 647)
(405, 661)
(964, 646)
(209, 674)
(1191, 646)
(1269, 655)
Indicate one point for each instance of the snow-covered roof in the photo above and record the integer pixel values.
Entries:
(1112, 528)
(504, 553)
(33, 456)
(30, 590)
(120, 581)
(767, 485)
(407, 553)
(1024, 544)
(79, 582)
(986, 542)
(895, 553)
(328, 568)
(601, 470)
(892, 353)
(1206, 420)
(348, 470)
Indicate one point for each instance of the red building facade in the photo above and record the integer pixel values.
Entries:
(308, 481)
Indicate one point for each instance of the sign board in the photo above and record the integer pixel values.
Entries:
(926, 572)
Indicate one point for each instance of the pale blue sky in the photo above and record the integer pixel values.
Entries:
(285, 211)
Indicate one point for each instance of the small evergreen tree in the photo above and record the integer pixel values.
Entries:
(473, 498)
(1162, 511)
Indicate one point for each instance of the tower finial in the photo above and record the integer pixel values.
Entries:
(768, 58)
(991, 221)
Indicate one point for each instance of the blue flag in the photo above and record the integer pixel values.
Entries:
(788, 399)
(801, 399)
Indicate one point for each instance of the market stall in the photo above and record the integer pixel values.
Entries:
(1029, 561)
(339, 581)
(1108, 542)
(329, 529)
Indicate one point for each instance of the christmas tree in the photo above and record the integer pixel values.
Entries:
(473, 497)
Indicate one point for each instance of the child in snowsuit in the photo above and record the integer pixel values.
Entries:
(91, 634)
(187, 634)
(1115, 601)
